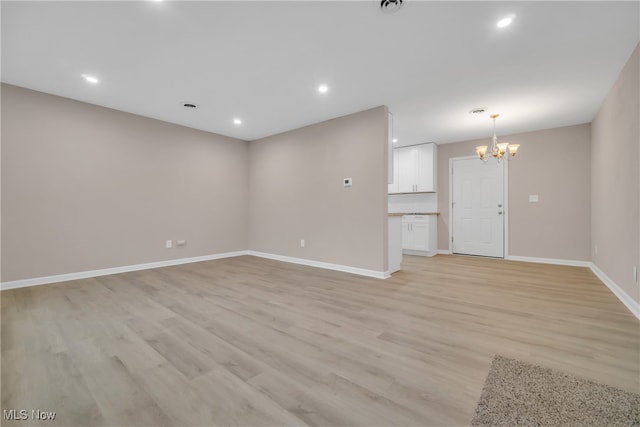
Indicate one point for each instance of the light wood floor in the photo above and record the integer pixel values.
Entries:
(254, 342)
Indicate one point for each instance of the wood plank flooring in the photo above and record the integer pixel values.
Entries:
(254, 342)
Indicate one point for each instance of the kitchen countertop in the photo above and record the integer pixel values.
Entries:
(412, 213)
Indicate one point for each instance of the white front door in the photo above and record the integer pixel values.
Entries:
(477, 207)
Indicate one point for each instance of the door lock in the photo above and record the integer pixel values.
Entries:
(499, 212)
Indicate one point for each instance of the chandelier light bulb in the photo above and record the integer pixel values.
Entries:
(481, 151)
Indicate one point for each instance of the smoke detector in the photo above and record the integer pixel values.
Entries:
(390, 6)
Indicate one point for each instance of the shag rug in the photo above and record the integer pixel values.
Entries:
(519, 394)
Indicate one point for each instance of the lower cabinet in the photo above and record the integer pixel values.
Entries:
(418, 235)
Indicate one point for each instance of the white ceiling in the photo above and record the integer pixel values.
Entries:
(430, 62)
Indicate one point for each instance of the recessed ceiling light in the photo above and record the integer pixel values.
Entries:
(394, 140)
(504, 22)
(323, 88)
(89, 78)
(237, 121)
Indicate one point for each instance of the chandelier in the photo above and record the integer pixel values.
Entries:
(497, 150)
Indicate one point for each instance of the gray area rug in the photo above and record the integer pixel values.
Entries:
(519, 394)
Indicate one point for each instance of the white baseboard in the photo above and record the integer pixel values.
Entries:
(115, 270)
(418, 253)
(629, 302)
(569, 262)
(320, 264)
(124, 269)
(444, 252)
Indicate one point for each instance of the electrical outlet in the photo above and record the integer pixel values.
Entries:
(533, 198)
(168, 244)
(181, 242)
(348, 182)
(302, 243)
(595, 249)
(635, 274)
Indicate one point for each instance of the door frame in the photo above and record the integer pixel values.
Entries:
(506, 201)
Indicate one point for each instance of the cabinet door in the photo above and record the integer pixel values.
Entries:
(425, 167)
(394, 187)
(420, 238)
(407, 163)
(407, 235)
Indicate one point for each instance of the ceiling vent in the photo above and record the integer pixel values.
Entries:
(390, 6)
(478, 110)
(189, 105)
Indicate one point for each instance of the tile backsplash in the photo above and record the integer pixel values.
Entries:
(413, 203)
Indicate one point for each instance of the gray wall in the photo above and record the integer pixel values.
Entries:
(296, 192)
(86, 187)
(615, 182)
(555, 165)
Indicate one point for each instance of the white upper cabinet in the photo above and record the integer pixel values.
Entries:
(416, 169)
(425, 173)
(393, 186)
(407, 165)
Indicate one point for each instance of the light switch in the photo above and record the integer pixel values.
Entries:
(533, 198)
